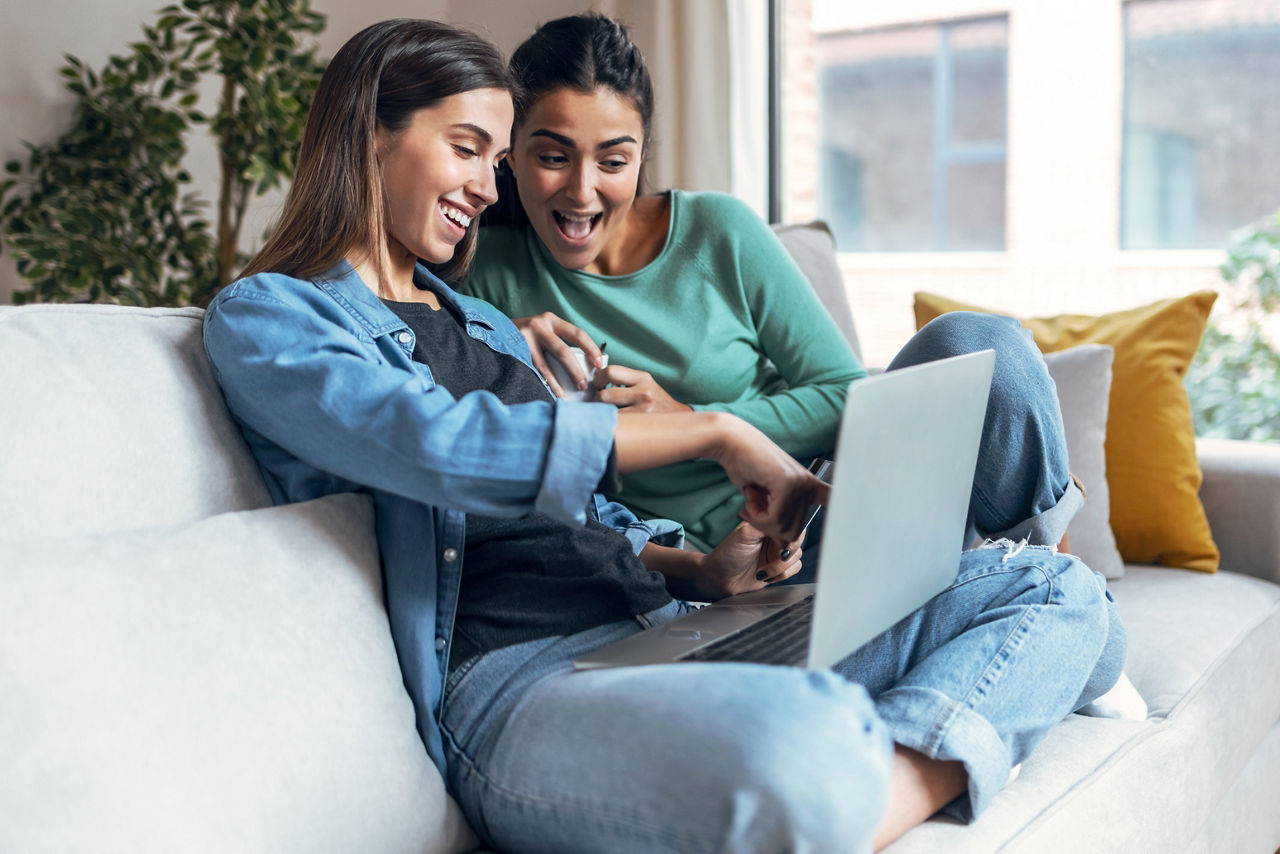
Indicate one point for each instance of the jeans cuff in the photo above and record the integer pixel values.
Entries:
(932, 723)
(1047, 528)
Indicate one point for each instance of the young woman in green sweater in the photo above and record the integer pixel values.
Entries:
(700, 306)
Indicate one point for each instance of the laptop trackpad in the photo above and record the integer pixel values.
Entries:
(667, 642)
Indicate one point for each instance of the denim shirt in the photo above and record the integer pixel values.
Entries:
(318, 375)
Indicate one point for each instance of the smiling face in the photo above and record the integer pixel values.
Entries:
(438, 173)
(576, 157)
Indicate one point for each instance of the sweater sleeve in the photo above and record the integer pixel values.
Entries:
(793, 331)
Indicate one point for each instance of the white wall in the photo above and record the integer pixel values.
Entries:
(35, 107)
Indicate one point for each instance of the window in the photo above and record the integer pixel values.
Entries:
(1202, 120)
(912, 136)
(1036, 157)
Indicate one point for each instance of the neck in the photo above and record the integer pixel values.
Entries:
(639, 241)
(397, 284)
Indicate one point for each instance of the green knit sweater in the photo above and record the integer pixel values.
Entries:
(723, 319)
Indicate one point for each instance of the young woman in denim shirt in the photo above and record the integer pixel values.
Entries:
(351, 365)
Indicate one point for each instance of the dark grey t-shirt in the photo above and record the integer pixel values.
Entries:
(531, 576)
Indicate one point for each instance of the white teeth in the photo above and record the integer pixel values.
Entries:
(575, 227)
(456, 215)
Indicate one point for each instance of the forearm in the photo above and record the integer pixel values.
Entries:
(802, 421)
(649, 440)
(682, 570)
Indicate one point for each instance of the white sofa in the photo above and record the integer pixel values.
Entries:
(183, 668)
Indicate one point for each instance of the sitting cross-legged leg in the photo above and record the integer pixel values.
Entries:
(1022, 488)
(981, 673)
(679, 757)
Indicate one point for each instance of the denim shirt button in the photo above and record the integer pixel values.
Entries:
(440, 644)
(450, 555)
(404, 338)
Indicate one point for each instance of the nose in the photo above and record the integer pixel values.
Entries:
(581, 186)
(484, 186)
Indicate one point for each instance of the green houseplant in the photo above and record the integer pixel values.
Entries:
(105, 212)
(1234, 381)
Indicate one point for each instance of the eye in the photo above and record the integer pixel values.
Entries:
(613, 164)
(552, 160)
(463, 151)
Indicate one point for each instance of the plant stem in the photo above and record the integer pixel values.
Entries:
(228, 231)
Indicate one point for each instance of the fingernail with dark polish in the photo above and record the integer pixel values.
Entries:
(761, 575)
(786, 553)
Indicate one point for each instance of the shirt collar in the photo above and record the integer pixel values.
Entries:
(345, 285)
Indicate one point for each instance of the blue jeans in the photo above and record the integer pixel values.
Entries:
(742, 757)
(1022, 488)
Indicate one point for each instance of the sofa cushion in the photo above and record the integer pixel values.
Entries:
(1203, 651)
(1083, 379)
(1156, 512)
(113, 421)
(227, 685)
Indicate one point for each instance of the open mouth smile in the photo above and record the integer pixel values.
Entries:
(455, 218)
(576, 228)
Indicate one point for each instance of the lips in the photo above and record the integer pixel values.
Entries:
(576, 228)
(455, 218)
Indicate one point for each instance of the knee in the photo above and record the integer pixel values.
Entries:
(817, 780)
(960, 332)
(1110, 665)
(1080, 594)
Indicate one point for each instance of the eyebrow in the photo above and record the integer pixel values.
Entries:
(485, 136)
(477, 130)
(569, 143)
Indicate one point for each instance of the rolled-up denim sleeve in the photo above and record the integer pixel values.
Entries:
(640, 533)
(313, 387)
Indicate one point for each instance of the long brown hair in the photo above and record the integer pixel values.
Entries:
(381, 76)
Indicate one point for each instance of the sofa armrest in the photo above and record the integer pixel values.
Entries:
(1241, 496)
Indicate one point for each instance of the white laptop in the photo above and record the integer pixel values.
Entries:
(892, 537)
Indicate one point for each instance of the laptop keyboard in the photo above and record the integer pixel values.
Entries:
(781, 638)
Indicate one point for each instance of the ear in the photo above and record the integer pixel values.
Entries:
(381, 140)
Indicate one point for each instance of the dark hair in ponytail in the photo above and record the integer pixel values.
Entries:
(582, 53)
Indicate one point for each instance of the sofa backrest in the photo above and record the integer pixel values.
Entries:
(813, 248)
(112, 421)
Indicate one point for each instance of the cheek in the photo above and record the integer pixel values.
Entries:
(537, 186)
(620, 189)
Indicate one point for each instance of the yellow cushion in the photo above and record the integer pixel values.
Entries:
(1152, 470)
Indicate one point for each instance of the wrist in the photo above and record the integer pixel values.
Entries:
(723, 432)
(681, 569)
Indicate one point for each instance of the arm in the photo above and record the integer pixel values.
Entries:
(778, 490)
(793, 331)
(309, 385)
(1241, 495)
(301, 380)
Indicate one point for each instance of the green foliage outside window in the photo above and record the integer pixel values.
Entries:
(1234, 381)
(105, 213)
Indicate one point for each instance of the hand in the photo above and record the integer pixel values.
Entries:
(634, 391)
(779, 491)
(547, 334)
(746, 560)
